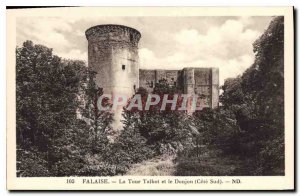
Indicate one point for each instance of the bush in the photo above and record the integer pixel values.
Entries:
(31, 163)
(129, 148)
(207, 162)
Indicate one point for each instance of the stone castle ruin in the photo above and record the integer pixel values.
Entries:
(113, 54)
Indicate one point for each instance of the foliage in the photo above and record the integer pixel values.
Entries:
(250, 124)
(129, 148)
(45, 83)
(261, 116)
(209, 163)
(46, 92)
(160, 128)
(218, 128)
(31, 162)
(99, 121)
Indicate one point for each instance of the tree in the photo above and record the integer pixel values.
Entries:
(250, 122)
(257, 99)
(161, 128)
(99, 120)
(47, 89)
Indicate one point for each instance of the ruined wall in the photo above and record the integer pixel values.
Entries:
(203, 82)
(171, 76)
(188, 81)
(203, 86)
(207, 86)
(148, 78)
(215, 87)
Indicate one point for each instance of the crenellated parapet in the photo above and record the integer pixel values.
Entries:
(111, 33)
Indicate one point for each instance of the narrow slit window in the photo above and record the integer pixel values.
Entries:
(151, 84)
(123, 67)
(131, 37)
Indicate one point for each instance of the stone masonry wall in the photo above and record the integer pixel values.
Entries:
(203, 82)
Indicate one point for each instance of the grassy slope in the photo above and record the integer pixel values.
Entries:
(158, 166)
(209, 163)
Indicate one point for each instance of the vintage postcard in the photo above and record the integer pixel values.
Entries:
(150, 98)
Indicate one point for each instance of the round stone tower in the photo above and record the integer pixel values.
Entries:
(113, 54)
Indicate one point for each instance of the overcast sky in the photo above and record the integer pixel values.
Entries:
(166, 43)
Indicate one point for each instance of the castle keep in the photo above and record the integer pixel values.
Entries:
(203, 82)
(113, 54)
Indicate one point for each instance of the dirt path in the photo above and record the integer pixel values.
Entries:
(159, 166)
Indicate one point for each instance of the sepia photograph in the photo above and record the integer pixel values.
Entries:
(183, 99)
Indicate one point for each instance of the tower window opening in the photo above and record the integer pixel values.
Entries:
(123, 67)
(151, 84)
(131, 37)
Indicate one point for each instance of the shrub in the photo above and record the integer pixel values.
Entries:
(31, 163)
